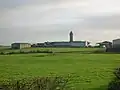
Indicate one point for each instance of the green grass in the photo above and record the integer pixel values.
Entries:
(89, 71)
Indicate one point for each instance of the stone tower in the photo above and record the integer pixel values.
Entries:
(71, 36)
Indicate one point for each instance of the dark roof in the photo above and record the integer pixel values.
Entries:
(116, 39)
(66, 42)
(58, 42)
(105, 42)
(79, 41)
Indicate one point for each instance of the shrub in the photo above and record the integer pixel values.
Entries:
(2, 53)
(31, 51)
(11, 53)
(115, 83)
(39, 83)
(99, 51)
(25, 52)
(22, 52)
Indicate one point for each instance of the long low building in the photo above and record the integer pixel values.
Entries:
(68, 44)
(63, 44)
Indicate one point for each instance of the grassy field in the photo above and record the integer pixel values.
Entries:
(89, 71)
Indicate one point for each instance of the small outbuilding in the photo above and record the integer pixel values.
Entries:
(116, 43)
(115, 46)
(106, 44)
(20, 45)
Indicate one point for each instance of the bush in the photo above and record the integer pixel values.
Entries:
(21, 52)
(25, 52)
(99, 51)
(41, 83)
(115, 83)
(1, 53)
(32, 51)
(11, 53)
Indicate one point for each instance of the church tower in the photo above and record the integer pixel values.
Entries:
(71, 36)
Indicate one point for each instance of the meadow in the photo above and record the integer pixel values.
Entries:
(89, 71)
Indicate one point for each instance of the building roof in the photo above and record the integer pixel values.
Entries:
(116, 39)
(20, 43)
(66, 42)
(104, 42)
(79, 41)
(59, 42)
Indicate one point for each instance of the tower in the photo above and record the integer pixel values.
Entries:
(71, 36)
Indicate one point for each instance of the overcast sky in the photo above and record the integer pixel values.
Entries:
(51, 20)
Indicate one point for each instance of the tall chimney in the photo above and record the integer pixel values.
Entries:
(71, 36)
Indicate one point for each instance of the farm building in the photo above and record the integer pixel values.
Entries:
(70, 43)
(115, 46)
(116, 43)
(20, 45)
(106, 44)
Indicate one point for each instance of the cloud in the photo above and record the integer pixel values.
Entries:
(108, 22)
(41, 20)
(10, 35)
(11, 3)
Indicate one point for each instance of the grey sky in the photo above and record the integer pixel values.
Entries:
(51, 20)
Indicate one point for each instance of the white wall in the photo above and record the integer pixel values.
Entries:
(78, 44)
(62, 44)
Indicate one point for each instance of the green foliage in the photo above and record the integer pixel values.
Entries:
(52, 50)
(1, 53)
(39, 83)
(24, 52)
(115, 83)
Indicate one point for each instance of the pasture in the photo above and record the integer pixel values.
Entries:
(88, 71)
